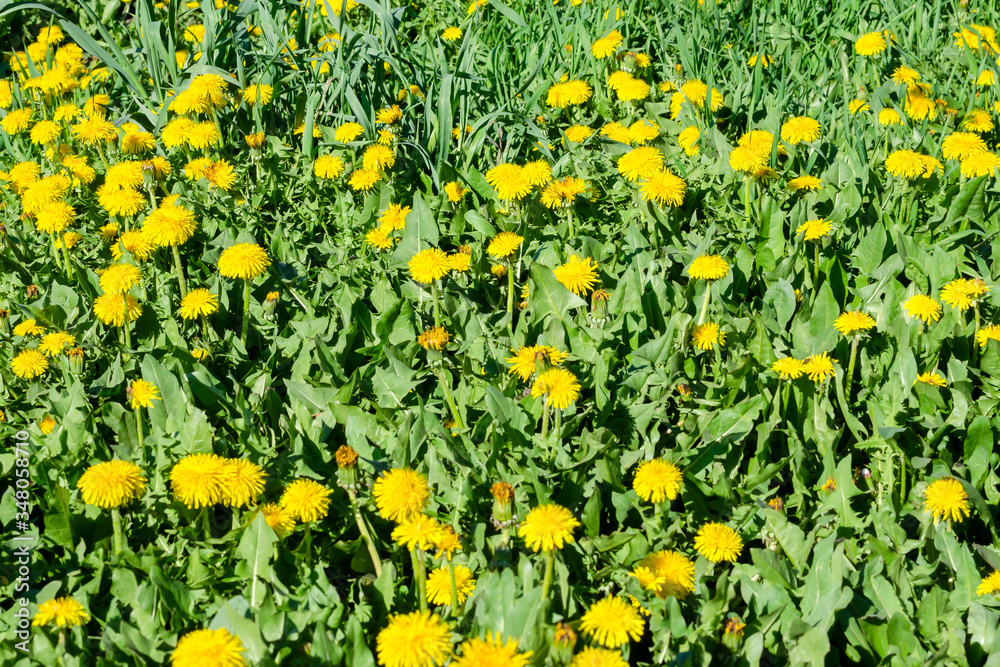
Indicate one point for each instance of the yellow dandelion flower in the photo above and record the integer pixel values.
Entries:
(208, 648)
(29, 364)
(55, 343)
(707, 336)
(28, 328)
(560, 387)
(198, 480)
(578, 275)
(664, 188)
(433, 338)
(547, 528)
(120, 278)
(400, 493)
(657, 480)
(923, 308)
(280, 520)
(870, 44)
(60, 612)
(418, 531)
(612, 622)
(429, 266)
(111, 484)
(800, 129)
(306, 500)
(640, 163)
(806, 182)
(417, 639)
(243, 260)
(819, 367)
(492, 651)
(112, 311)
(788, 368)
(990, 585)
(672, 573)
(198, 303)
(718, 542)
(708, 267)
(142, 394)
(946, 499)
(439, 585)
(988, 333)
(244, 483)
(932, 378)
(852, 323)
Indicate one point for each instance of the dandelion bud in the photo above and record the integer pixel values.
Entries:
(629, 62)
(271, 304)
(543, 361)
(74, 359)
(148, 174)
(255, 142)
(564, 636)
(4, 322)
(503, 503)
(599, 306)
(31, 291)
(732, 636)
(777, 504)
(347, 464)
(498, 270)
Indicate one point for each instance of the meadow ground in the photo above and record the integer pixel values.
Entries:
(542, 333)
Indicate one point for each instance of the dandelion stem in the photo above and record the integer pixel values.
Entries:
(307, 543)
(747, 204)
(365, 535)
(55, 251)
(975, 349)
(815, 265)
(206, 526)
(420, 572)
(510, 296)
(545, 416)
(550, 559)
(445, 381)
(138, 429)
(437, 305)
(704, 302)
(128, 343)
(69, 267)
(246, 312)
(116, 525)
(850, 367)
(454, 588)
(180, 271)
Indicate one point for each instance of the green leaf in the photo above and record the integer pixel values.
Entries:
(969, 203)
(978, 448)
(421, 232)
(256, 549)
(548, 296)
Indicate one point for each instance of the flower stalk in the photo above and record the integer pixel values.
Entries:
(116, 525)
(704, 302)
(179, 268)
(246, 312)
(850, 366)
(365, 535)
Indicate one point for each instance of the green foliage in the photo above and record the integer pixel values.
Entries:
(824, 480)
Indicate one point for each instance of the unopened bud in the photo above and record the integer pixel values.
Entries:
(347, 467)
(599, 306)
